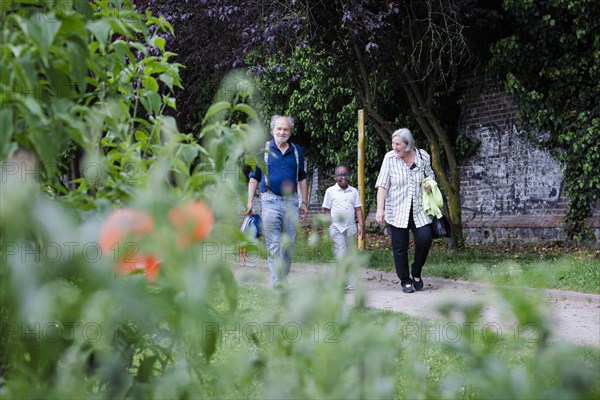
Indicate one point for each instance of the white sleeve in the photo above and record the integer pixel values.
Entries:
(357, 202)
(383, 180)
(327, 200)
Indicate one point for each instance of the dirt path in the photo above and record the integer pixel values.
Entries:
(575, 316)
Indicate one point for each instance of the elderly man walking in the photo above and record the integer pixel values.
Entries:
(283, 189)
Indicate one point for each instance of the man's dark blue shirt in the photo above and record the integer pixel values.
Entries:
(282, 169)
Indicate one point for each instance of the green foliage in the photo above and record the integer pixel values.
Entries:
(557, 89)
(459, 357)
(546, 371)
(95, 334)
(84, 332)
(94, 75)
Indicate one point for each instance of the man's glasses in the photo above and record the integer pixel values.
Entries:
(343, 175)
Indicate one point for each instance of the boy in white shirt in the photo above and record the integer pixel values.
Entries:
(342, 202)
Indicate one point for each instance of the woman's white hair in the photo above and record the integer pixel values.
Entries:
(407, 137)
(274, 119)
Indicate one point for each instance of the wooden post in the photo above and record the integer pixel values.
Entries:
(361, 170)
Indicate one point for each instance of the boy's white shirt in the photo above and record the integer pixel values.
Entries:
(342, 204)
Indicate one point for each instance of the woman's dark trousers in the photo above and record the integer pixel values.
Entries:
(422, 239)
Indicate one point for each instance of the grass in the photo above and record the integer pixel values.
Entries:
(422, 364)
(555, 267)
(310, 247)
(540, 266)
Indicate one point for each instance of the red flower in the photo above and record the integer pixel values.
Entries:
(122, 223)
(127, 223)
(193, 221)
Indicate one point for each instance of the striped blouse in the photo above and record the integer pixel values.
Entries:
(404, 189)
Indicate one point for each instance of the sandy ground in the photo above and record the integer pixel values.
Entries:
(575, 317)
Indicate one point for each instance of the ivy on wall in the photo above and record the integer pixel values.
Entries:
(551, 65)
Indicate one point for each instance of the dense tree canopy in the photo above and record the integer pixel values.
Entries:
(212, 37)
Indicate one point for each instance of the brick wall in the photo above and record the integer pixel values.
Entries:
(511, 191)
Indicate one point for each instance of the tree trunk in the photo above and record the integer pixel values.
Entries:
(421, 108)
(361, 81)
(420, 97)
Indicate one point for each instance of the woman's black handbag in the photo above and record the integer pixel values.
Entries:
(440, 227)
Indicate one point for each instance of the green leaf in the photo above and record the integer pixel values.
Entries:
(159, 42)
(170, 102)
(142, 49)
(210, 339)
(42, 30)
(168, 126)
(150, 83)
(7, 147)
(180, 166)
(60, 82)
(78, 52)
(215, 109)
(167, 79)
(141, 136)
(34, 108)
(230, 287)
(83, 7)
(151, 102)
(189, 153)
(49, 146)
(246, 109)
(146, 369)
(76, 130)
(123, 51)
(6, 122)
(100, 29)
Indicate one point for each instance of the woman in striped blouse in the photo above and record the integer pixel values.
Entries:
(399, 204)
